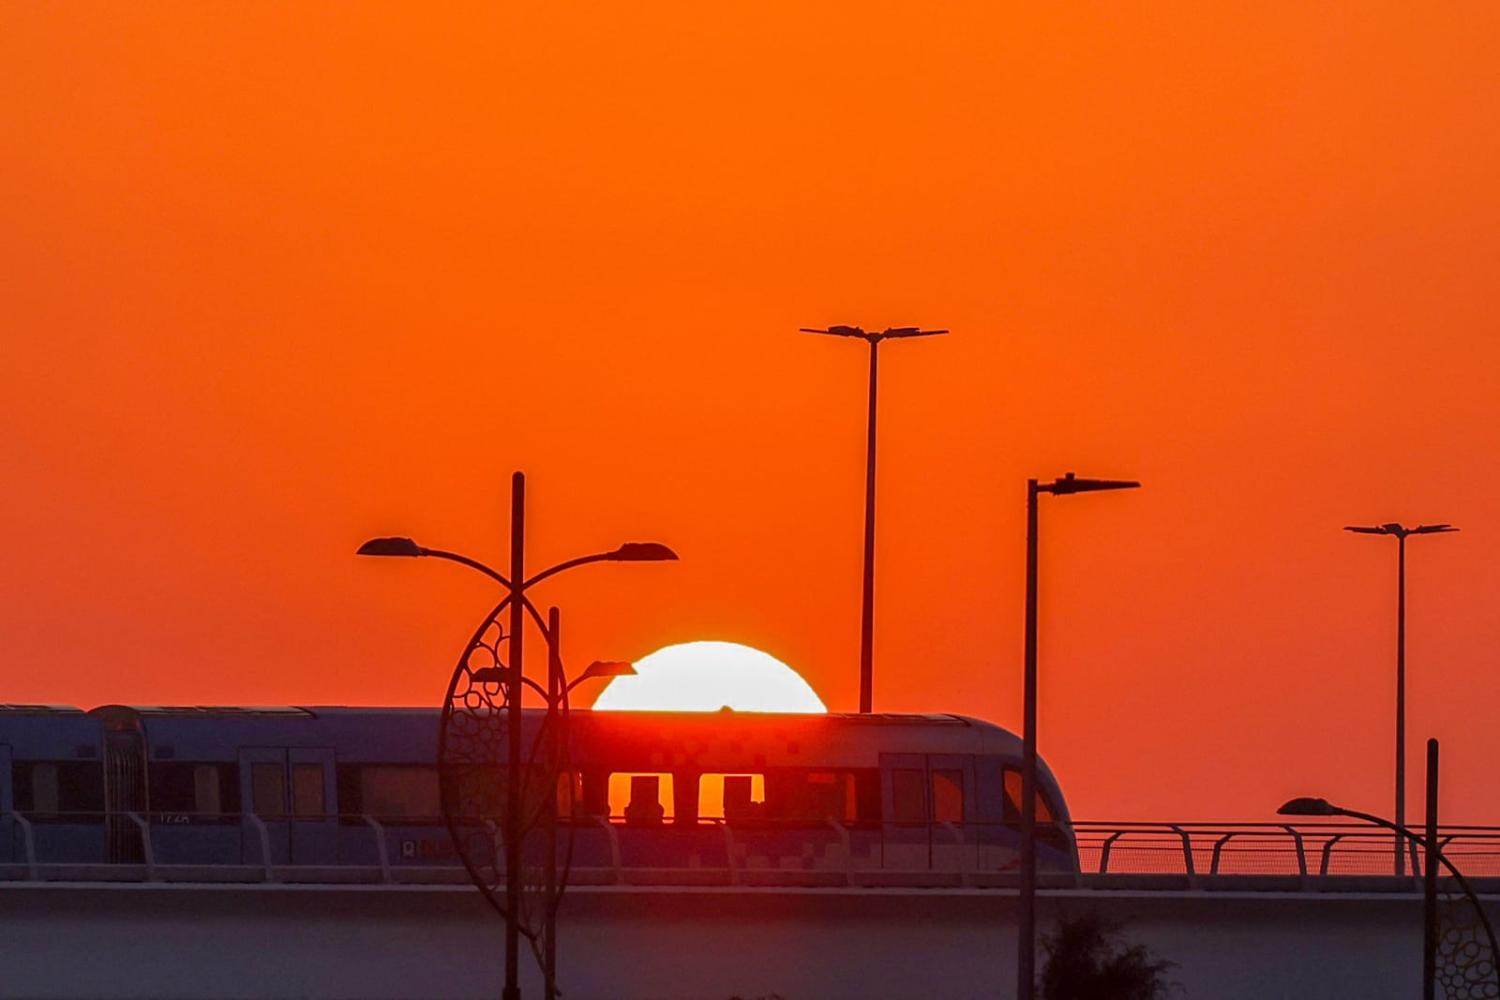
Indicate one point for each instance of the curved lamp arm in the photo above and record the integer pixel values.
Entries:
(471, 563)
(566, 565)
(629, 552)
(401, 546)
(1458, 876)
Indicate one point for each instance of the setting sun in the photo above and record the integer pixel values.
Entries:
(707, 676)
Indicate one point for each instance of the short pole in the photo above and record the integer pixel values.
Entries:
(554, 758)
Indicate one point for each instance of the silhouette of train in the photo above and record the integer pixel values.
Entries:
(335, 786)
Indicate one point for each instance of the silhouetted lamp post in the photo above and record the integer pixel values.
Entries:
(1433, 857)
(867, 602)
(1026, 931)
(513, 678)
(1400, 533)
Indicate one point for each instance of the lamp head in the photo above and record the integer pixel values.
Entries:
(1072, 484)
(392, 546)
(1307, 806)
(836, 331)
(608, 668)
(642, 552)
(910, 331)
(1401, 530)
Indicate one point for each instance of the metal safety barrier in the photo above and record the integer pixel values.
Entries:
(358, 847)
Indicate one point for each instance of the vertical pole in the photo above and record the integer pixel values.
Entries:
(1026, 920)
(1400, 702)
(867, 607)
(554, 697)
(513, 745)
(1429, 882)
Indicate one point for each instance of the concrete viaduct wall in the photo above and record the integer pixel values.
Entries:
(639, 943)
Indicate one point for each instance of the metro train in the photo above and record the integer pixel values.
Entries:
(324, 786)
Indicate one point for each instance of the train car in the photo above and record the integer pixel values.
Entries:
(338, 787)
(51, 776)
(278, 785)
(908, 792)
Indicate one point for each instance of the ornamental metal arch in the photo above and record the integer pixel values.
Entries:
(473, 773)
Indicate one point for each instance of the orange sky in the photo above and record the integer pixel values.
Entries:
(275, 278)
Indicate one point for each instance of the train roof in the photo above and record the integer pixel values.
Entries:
(410, 711)
(40, 710)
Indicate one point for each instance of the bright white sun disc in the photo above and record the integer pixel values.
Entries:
(706, 676)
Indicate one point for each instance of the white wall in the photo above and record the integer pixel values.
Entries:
(141, 940)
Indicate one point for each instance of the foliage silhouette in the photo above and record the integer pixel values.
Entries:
(1087, 960)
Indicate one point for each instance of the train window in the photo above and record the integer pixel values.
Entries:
(1013, 800)
(947, 796)
(640, 798)
(208, 797)
(866, 808)
(51, 787)
(307, 791)
(398, 790)
(731, 796)
(908, 796)
(268, 790)
(569, 792)
(815, 796)
(831, 795)
(195, 789)
(44, 788)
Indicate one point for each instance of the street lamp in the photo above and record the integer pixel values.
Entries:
(867, 603)
(597, 670)
(1400, 532)
(510, 680)
(558, 689)
(601, 669)
(1026, 931)
(1306, 806)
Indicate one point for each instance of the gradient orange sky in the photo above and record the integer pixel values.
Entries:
(278, 277)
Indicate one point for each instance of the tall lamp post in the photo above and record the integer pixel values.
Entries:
(517, 584)
(867, 601)
(1026, 931)
(1400, 533)
(1434, 856)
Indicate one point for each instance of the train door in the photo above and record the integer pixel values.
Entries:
(8, 850)
(904, 811)
(926, 800)
(291, 792)
(314, 806)
(263, 795)
(950, 792)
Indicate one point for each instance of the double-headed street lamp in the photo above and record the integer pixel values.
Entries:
(1400, 533)
(511, 678)
(1026, 936)
(867, 601)
(1434, 857)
